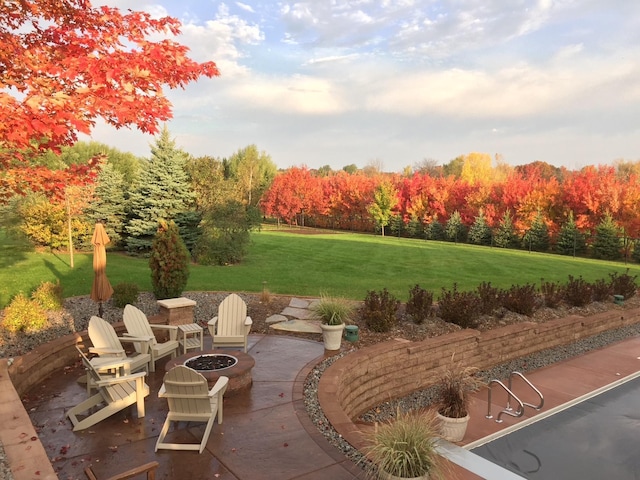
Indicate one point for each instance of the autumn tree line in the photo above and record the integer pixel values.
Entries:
(216, 203)
(592, 211)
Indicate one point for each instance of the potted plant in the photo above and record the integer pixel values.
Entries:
(333, 313)
(453, 398)
(404, 447)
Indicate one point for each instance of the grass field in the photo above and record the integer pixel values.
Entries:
(309, 264)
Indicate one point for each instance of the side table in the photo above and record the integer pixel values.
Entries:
(190, 336)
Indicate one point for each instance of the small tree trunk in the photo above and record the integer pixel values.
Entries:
(69, 232)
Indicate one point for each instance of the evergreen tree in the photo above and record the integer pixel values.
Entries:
(606, 243)
(415, 228)
(506, 236)
(169, 262)
(571, 241)
(434, 230)
(537, 237)
(455, 231)
(480, 232)
(109, 204)
(636, 251)
(163, 191)
(397, 226)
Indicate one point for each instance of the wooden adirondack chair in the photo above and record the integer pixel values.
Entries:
(232, 325)
(138, 326)
(116, 393)
(148, 468)
(190, 400)
(107, 345)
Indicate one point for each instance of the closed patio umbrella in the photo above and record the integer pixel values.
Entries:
(101, 289)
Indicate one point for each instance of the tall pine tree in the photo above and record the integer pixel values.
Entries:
(506, 236)
(480, 232)
(109, 204)
(606, 244)
(163, 191)
(537, 237)
(571, 241)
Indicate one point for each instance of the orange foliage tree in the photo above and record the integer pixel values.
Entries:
(65, 63)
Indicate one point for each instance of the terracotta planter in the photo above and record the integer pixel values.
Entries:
(453, 429)
(332, 336)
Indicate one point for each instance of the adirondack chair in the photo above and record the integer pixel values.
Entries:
(107, 345)
(231, 327)
(117, 393)
(138, 326)
(190, 400)
(148, 468)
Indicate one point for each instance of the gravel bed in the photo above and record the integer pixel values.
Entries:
(5, 471)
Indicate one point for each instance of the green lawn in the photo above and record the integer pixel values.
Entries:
(333, 263)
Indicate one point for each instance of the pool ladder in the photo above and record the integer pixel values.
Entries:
(509, 410)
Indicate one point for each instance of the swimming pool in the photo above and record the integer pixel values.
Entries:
(591, 438)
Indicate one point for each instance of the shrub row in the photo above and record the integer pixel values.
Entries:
(379, 310)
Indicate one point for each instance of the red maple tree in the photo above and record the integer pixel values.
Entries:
(65, 63)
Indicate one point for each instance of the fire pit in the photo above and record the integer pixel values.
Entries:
(208, 362)
(216, 363)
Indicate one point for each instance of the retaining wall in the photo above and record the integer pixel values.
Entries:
(368, 377)
(24, 451)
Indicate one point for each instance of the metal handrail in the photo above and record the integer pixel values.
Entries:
(508, 410)
(526, 380)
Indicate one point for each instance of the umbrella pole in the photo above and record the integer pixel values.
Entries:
(100, 311)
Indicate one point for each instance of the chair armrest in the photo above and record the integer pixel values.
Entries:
(106, 351)
(213, 321)
(248, 321)
(145, 342)
(99, 364)
(173, 330)
(132, 338)
(122, 379)
(220, 384)
(162, 392)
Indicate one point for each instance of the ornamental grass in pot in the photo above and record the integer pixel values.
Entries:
(334, 313)
(453, 397)
(404, 447)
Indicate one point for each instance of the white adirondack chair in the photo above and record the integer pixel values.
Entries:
(116, 393)
(232, 325)
(107, 345)
(190, 400)
(138, 326)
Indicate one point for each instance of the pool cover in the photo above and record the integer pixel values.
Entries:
(596, 439)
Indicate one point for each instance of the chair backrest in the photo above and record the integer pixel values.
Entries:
(103, 335)
(232, 314)
(137, 323)
(186, 390)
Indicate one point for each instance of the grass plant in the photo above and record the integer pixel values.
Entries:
(404, 447)
(340, 264)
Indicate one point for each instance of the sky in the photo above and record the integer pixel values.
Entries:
(392, 83)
